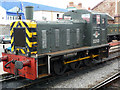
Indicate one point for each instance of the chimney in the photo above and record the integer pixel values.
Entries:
(29, 12)
(80, 5)
(71, 4)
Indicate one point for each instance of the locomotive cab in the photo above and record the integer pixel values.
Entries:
(99, 28)
(95, 32)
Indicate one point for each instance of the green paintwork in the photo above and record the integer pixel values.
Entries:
(113, 29)
(90, 39)
(77, 32)
(65, 40)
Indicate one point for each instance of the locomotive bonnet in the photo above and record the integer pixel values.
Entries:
(39, 48)
(84, 28)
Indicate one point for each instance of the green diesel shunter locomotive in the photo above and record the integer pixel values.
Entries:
(41, 48)
(113, 32)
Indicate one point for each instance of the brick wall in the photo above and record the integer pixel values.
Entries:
(107, 6)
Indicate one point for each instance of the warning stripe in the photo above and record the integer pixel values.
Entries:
(11, 25)
(30, 32)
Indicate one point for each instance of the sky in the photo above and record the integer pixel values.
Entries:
(64, 3)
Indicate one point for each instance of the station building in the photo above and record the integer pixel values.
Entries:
(10, 9)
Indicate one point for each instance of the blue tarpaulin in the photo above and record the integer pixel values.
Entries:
(10, 5)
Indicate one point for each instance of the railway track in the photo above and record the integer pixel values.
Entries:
(28, 83)
(51, 78)
(7, 77)
(106, 82)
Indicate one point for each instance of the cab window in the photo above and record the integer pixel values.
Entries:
(103, 22)
(96, 20)
(86, 17)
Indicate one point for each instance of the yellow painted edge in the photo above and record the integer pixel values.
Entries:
(22, 51)
(28, 33)
(34, 33)
(22, 24)
(29, 43)
(18, 49)
(31, 24)
(93, 56)
(11, 24)
(34, 52)
(12, 49)
(13, 27)
(34, 42)
(12, 40)
(28, 50)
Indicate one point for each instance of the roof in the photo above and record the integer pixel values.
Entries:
(37, 7)
(98, 4)
(110, 17)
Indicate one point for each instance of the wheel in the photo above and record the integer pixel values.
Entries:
(89, 62)
(109, 39)
(59, 67)
(75, 65)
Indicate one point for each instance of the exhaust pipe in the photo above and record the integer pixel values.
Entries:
(29, 12)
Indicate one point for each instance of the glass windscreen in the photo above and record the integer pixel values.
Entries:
(86, 17)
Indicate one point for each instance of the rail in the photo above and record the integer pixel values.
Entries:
(106, 82)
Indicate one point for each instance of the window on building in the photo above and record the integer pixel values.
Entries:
(10, 17)
(13, 17)
(67, 17)
(44, 18)
(58, 16)
(16, 18)
(7, 17)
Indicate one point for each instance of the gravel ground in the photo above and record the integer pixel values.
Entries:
(84, 78)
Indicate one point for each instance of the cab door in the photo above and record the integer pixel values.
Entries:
(103, 29)
(96, 33)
